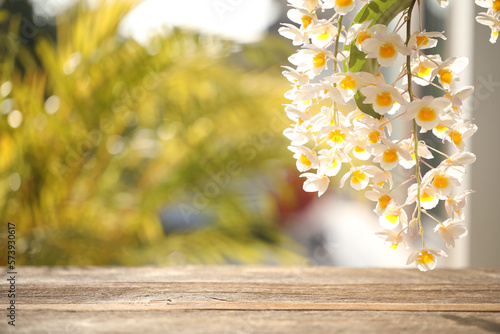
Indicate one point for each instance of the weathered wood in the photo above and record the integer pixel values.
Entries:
(232, 299)
(257, 274)
(278, 322)
(241, 296)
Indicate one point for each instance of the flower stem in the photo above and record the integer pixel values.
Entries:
(415, 135)
(437, 151)
(432, 217)
(403, 183)
(337, 39)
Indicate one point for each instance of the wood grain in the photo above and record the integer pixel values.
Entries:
(233, 299)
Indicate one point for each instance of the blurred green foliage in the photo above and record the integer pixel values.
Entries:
(114, 134)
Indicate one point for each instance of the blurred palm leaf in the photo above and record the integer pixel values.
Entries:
(118, 141)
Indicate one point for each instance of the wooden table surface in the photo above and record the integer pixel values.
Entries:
(241, 299)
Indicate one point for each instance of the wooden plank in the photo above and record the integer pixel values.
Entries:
(246, 322)
(230, 295)
(270, 306)
(258, 274)
(229, 299)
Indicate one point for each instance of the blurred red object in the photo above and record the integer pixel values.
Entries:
(291, 200)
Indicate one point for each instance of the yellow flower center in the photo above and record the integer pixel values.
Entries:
(426, 114)
(424, 71)
(363, 36)
(358, 176)
(319, 60)
(304, 160)
(373, 137)
(305, 103)
(441, 181)
(387, 50)
(456, 137)
(337, 136)
(348, 83)
(391, 155)
(440, 128)
(334, 164)
(496, 5)
(393, 246)
(393, 219)
(424, 257)
(422, 40)
(306, 20)
(358, 149)
(425, 197)
(445, 75)
(343, 3)
(325, 36)
(384, 99)
(383, 201)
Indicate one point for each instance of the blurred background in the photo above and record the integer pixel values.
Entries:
(150, 132)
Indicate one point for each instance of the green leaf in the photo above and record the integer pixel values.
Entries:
(380, 12)
(4, 15)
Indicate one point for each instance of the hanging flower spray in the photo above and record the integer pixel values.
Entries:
(343, 109)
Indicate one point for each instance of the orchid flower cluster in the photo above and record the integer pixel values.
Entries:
(343, 117)
(491, 18)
